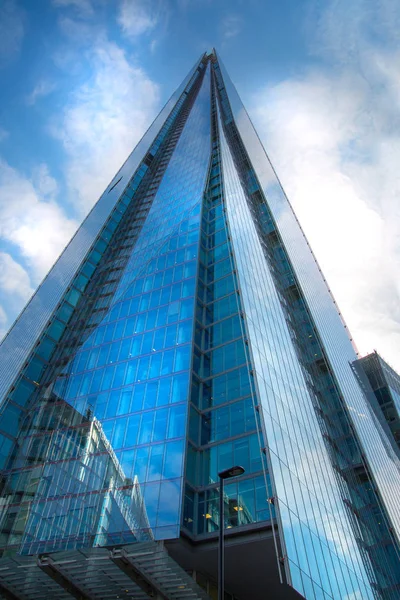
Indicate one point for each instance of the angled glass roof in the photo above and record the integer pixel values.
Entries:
(133, 572)
(22, 578)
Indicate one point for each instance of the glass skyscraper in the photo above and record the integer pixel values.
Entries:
(187, 328)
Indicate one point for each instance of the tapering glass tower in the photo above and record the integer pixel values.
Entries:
(187, 328)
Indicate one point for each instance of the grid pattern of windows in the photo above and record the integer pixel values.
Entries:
(22, 337)
(334, 342)
(322, 554)
(224, 428)
(385, 384)
(130, 375)
(110, 214)
(296, 447)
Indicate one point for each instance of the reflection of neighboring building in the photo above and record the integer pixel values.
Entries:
(78, 495)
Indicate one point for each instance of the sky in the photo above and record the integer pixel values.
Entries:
(81, 80)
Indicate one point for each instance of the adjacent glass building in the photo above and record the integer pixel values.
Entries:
(385, 384)
(187, 328)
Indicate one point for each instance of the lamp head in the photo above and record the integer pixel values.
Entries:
(231, 472)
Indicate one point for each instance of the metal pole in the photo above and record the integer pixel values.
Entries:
(221, 565)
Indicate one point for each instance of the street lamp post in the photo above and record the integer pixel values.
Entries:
(227, 474)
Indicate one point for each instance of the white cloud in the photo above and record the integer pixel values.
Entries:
(80, 34)
(4, 324)
(11, 31)
(346, 32)
(138, 16)
(334, 138)
(44, 183)
(83, 7)
(154, 45)
(14, 280)
(15, 290)
(42, 88)
(31, 220)
(103, 121)
(231, 26)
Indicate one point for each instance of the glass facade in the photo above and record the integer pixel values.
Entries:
(385, 384)
(337, 401)
(224, 427)
(129, 368)
(187, 328)
(321, 306)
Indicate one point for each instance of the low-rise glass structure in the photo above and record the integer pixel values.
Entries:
(385, 384)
